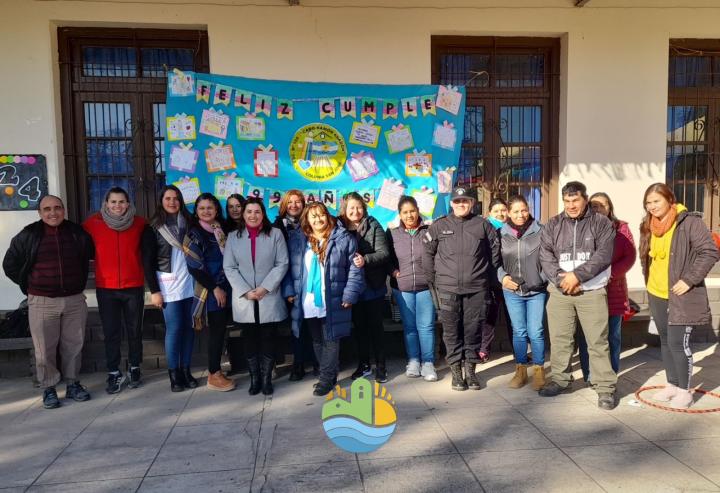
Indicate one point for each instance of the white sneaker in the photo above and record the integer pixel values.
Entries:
(412, 370)
(428, 372)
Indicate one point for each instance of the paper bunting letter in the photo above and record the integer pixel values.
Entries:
(427, 104)
(181, 84)
(189, 188)
(362, 165)
(449, 99)
(418, 164)
(364, 133)
(250, 127)
(390, 194)
(219, 158)
(390, 109)
(329, 198)
(285, 109)
(327, 108)
(228, 184)
(203, 91)
(243, 99)
(399, 138)
(369, 108)
(444, 135)
(263, 104)
(253, 191)
(183, 158)
(180, 127)
(266, 161)
(222, 94)
(214, 123)
(275, 198)
(409, 107)
(348, 107)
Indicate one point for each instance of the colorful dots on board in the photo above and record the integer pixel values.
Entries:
(24, 204)
(9, 191)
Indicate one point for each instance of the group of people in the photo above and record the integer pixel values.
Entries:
(328, 276)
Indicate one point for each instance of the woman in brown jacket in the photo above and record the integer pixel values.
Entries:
(677, 252)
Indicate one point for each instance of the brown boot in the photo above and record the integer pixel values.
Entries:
(218, 381)
(538, 377)
(520, 378)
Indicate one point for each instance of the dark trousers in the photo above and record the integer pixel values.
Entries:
(368, 330)
(461, 316)
(121, 310)
(674, 344)
(327, 352)
(217, 324)
(303, 347)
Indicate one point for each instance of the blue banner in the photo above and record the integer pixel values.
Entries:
(263, 137)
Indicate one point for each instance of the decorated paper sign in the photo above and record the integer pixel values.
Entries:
(426, 200)
(362, 165)
(390, 194)
(274, 198)
(266, 161)
(183, 158)
(418, 164)
(250, 127)
(189, 188)
(253, 191)
(329, 198)
(399, 138)
(364, 133)
(219, 158)
(181, 84)
(445, 135)
(228, 184)
(214, 123)
(181, 127)
(444, 180)
(449, 99)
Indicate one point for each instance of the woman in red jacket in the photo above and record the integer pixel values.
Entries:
(119, 279)
(624, 256)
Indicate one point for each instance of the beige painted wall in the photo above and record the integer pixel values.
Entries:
(614, 70)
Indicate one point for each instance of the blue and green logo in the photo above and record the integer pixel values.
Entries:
(363, 423)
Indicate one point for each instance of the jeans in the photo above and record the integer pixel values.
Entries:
(121, 309)
(526, 313)
(418, 317)
(179, 333)
(614, 339)
(327, 352)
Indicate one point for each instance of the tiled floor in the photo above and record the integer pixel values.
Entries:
(496, 439)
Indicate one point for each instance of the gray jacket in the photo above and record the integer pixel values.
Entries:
(521, 259)
(271, 264)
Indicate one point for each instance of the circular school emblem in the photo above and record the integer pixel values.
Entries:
(318, 152)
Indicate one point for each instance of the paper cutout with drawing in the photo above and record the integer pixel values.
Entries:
(362, 165)
(250, 127)
(189, 187)
(181, 84)
(444, 136)
(214, 123)
(228, 184)
(390, 194)
(399, 138)
(183, 158)
(180, 127)
(266, 161)
(219, 158)
(418, 164)
(365, 133)
(449, 99)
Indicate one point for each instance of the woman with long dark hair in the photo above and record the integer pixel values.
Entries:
(255, 263)
(676, 253)
(171, 286)
(205, 263)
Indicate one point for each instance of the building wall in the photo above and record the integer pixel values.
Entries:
(613, 81)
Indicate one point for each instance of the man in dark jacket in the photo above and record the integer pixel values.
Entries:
(49, 260)
(576, 249)
(461, 253)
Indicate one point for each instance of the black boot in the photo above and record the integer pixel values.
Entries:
(190, 382)
(175, 385)
(297, 373)
(254, 369)
(471, 376)
(266, 372)
(458, 382)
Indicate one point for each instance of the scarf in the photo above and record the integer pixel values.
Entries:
(520, 230)
(314, 282)
(660, 227)
(217, 231)
(496, 223)
(118, 223)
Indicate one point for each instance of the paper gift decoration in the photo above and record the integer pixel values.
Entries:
(203, 91)
(409, 107)
(183, 158)
(327, 108)
(266, 161)
(390, 109)
(250, 127)
(189, 188)
(228, 184)
(449, 99)
(426, 200)
(365, 133)
(390, 194)
(445, 135)
(427, 104)
(362, 165)
(399, 138)
(214, 123)
(418, 164)
(181, 84)
(243, 99)
(445, 179)
(219, 158)
(285, 109)
(348, 107)
(180, 127)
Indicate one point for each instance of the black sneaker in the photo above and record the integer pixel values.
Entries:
(115, 382)
(363, 370)
(552, 389)
(381, 375)
(50, 398)
(77, 392)
(606, 401)
(135, 378)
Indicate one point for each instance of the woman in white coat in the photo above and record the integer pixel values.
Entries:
(255, 262)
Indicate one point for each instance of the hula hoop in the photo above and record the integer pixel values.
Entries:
(673, 409)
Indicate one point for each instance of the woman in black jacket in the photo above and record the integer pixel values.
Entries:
(373, 254)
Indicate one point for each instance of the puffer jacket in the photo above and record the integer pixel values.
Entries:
(406, 252)
(583, 245)
(692, 255)
(373, 246)
(624, 256)
(521, 259)
(344, 283)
